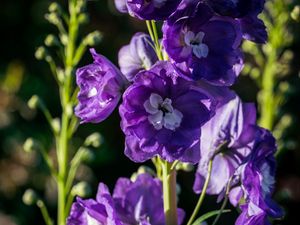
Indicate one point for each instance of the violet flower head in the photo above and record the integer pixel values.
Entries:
(121, 5)
(162, 114)
(152, 9)
(246, 13)
(225, 139)
(101, 85)
(138, 55)
(141, 201)
(203, 46)
(133, 202)
(90, 211)
(257, 179)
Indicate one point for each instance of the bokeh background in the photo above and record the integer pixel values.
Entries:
(23, 28)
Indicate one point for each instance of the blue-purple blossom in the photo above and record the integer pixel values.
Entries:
(225, 138)
(257, 179)
(138, 55)
(90, 211)
(101, 85)
(246, 13)
(121, 5)
(203, 46)
(152, 9)
(162, 114)
(132, 202)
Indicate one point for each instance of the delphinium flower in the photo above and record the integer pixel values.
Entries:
(148, 10)
(162, 114)
(225, 139)
(132, 202)
(202, 45)
(246, 13)
(101, 84)
(256, 179)
(137, 56)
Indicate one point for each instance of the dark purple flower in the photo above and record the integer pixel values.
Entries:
(100, 211)
(138, 55)
(257, 178)
(141, 201)
(162, 114)
(101, 85)
(203, 46)
(152, 9)
(245, 11)
(225, 138)
(133, 202)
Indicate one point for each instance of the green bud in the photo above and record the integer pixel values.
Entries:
(83, 18)
(295, 14)
(33, 102)
(133, 177)
(30, 197)
(94, 140)
(86, 154)
(80, 6)
(82, 189)
(54, 7)
(40, 53)
(30, 145)
(51, 40)
(56, 125)
(60, 75)
(53, 18)
(145, 169)
(69, 110)
(187, 167)
(64, 39)
(93, 38)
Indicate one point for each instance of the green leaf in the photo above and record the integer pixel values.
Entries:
(208, 215)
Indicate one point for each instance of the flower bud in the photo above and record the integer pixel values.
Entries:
(40, 53)
(54, 7)
(187, 167)
(60, 75)
(82, 189)
(93, 38)
(86, 154)
(64, 39)
(56, 125)
(295, 14)
(33, 102)
(51, 40)
(69, 110)
(29, 145)
(145, 169)
(83, 18)
(53, 18)
(30, 197)
(94, 140)
(81, 6)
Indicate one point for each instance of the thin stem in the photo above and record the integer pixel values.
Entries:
(223, 204)
(201, 198)
(156, 41)
(170, 195)
(44, 212)
(149, 27)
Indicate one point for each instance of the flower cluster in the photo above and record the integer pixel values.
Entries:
(181, 109)
(132, 202)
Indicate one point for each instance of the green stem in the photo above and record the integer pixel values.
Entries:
(201, 198)
(44, 212)
(170, 195)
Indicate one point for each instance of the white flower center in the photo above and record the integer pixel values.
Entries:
(266, 179)
(161, 113)
(200, 49)
(93, 92)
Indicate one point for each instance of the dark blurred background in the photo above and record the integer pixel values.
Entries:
(23, 28)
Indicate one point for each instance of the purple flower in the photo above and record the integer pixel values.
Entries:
(100, 211)
(137, 56)
(257, 178)
(162, 114)
(121, 5)
(152, 9)
(138, 202)
(141, 201)
(101, 85)
(246, 12)
(225, 139)
(203, 46)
